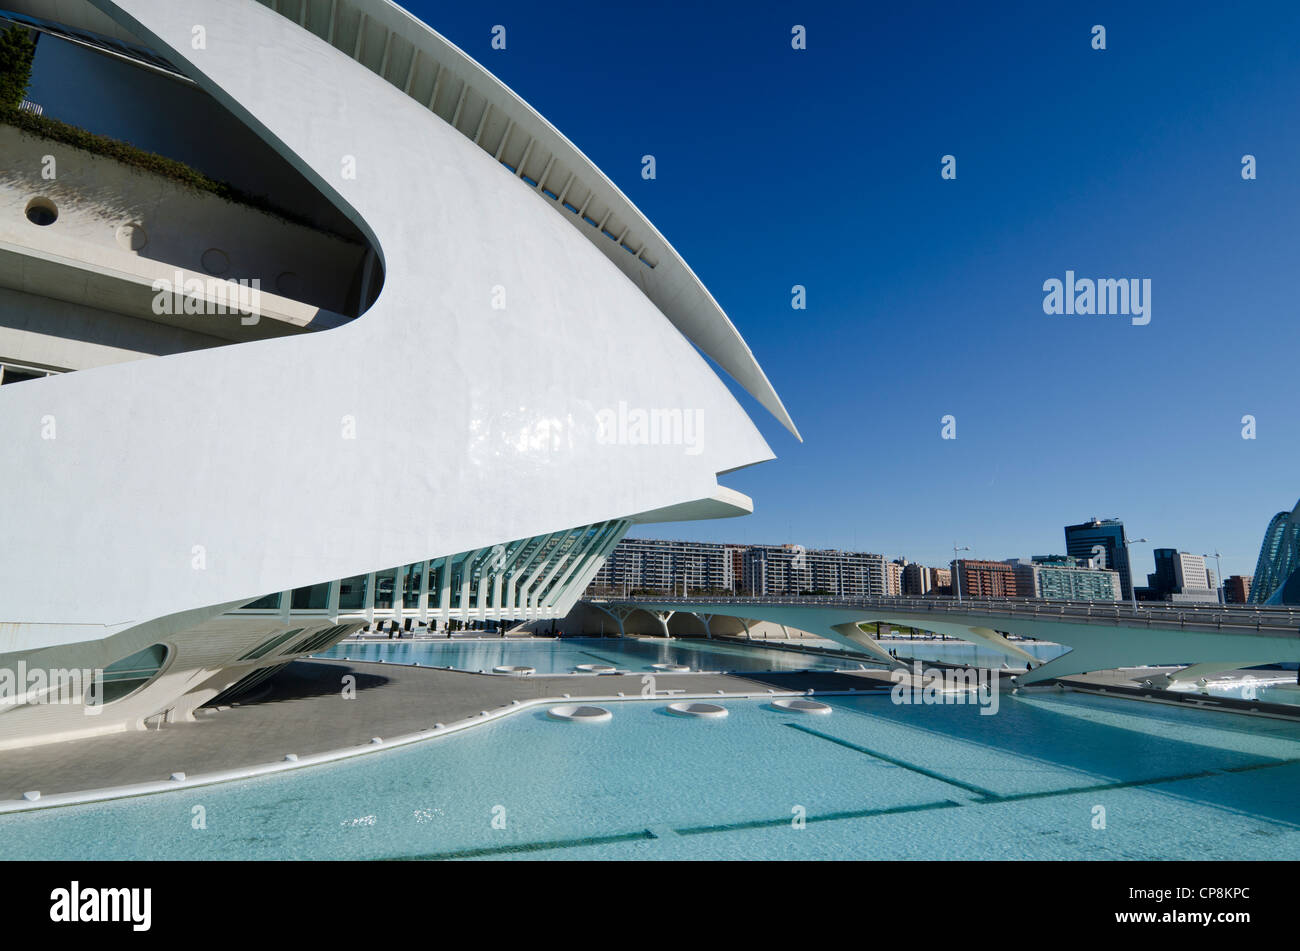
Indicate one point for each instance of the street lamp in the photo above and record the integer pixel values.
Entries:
(1129, 558)
(956, 569)
(1218, 567)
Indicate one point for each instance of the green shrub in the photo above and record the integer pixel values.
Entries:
(78, 138)
(17, 49)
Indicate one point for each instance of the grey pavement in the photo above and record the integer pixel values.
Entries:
(303, 711)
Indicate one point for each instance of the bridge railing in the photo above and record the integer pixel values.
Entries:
(1257, 618)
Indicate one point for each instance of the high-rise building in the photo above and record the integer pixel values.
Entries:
(917, 579)
(1189, 571)
(941, 581)
(1236, 590)
(1103, 541)
(894, 578)
(1181, 576)
(668, 567)
(1162, 581)
(1066, 579)
(685, 567)
(772, 570)
(985, 579)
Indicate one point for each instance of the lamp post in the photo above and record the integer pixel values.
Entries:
(1132, 588)
(956, 568)
(1218, 567)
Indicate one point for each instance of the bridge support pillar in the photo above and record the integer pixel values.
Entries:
(663, 617)
(705, 619)
(852, 632)
(619, 612)
(998, 642)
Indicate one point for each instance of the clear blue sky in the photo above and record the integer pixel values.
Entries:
(821, 168)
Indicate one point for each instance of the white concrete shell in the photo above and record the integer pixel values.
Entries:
(155, 495)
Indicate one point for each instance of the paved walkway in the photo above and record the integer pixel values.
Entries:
(304, 712)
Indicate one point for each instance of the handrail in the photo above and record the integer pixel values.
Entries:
(1211, 616)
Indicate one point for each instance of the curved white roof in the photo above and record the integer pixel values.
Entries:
(432, 70)
(437, 422)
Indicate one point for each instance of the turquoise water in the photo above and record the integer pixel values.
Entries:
(969, 655)
(562, 656)
(874, 780)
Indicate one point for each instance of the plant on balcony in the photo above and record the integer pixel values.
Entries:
(17, 49)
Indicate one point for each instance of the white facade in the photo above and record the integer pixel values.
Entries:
(1190, 574)
(179, 488)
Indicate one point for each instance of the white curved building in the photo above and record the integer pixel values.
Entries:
(471, 364)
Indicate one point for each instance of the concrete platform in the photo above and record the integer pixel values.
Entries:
(304, 712)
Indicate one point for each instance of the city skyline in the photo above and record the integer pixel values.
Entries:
(665, 533)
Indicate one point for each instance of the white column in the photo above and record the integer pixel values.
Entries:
(370, 598)
(444, 591)
(423, 602)
(513, 578)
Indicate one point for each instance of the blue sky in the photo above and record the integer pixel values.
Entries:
(822, 168)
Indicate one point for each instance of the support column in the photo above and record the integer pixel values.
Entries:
(422, 603)
(619, 612)
(466, 577)
(563, 552)
(444, 590)
(399, 595)
(512, 583)
(663, 617)
(852, 632)
(370, 599)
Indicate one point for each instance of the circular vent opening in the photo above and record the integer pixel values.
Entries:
(42, 211)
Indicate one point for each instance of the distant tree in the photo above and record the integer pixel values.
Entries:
(17, 50)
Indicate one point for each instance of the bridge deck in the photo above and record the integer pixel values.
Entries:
(1251, 618)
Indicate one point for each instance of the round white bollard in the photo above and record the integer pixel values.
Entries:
(595, 669)
(796, 705)
(671, 668)
(697, 709)
(579, 713)
(514, 670)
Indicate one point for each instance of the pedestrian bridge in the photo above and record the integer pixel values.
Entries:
(1099, 635)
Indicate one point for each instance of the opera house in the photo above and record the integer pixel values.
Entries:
(306, 319)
